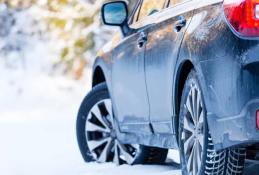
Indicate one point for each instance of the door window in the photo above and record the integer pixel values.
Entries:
(135, 17)
(175, 2)
(150, 7)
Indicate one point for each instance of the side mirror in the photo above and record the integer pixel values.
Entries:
(116, 14)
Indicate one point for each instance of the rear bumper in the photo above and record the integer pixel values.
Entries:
(238, 129)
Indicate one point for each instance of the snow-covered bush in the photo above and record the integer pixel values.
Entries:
(69, 29)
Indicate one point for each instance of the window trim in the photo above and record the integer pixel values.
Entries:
(167, 3)
(183, 2)
(135, 10)
(139, 6)
(140, 24)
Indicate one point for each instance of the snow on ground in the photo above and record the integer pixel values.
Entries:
(37, 121)
(37, 128)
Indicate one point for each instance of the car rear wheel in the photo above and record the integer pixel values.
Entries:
(197, 152)
(97, 137)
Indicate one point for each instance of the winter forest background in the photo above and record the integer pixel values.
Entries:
(69, 33)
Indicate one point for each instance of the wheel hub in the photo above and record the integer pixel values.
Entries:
(197, 132)
(113, 134)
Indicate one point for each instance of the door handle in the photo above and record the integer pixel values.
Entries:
(179, 24)
(142, 39)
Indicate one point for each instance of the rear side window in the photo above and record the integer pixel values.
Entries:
(150, 7)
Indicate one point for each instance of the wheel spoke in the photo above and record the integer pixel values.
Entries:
(92, 127)
(93, 144)
(198, 155)
(123, 150)
(190, 161)
(189, 108)
(198, 103)
(135, 146)
(108, 106)
(194, 161)
(193, 96)
(201, 118)
(188, 125)
(105, 152)
(97, 113)
(116, 158)
(201, 140)
(188, 144)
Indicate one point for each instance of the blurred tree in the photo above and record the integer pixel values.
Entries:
(18, 3)
(75, 27)
(76, 23)
(67, 20)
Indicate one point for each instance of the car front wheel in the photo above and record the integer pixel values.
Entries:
(97, 136)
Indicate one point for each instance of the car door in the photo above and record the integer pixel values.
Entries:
(129, 90)
(162, 48)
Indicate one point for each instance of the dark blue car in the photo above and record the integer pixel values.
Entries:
(182, 74)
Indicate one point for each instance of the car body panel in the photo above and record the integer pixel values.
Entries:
(229, 86)
(160, 58)
(130, 95)
(226, 66)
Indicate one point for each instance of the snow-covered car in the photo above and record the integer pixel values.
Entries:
(182, 75)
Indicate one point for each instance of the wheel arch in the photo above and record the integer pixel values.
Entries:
(98, 76)
(184, 70)
(182, 74)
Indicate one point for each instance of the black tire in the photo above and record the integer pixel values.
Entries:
(145, 155)
(236, 161)
(230, 161)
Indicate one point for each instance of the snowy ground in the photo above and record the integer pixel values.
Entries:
(37, 130)
(37, 123)
(40, 136)
(38, 112)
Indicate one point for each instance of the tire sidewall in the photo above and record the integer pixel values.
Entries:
(98, 93)
(191, 80)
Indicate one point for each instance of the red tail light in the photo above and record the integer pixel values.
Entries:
(243, 16)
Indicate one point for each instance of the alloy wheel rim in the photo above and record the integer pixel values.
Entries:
(193, 130)
(101, 136)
